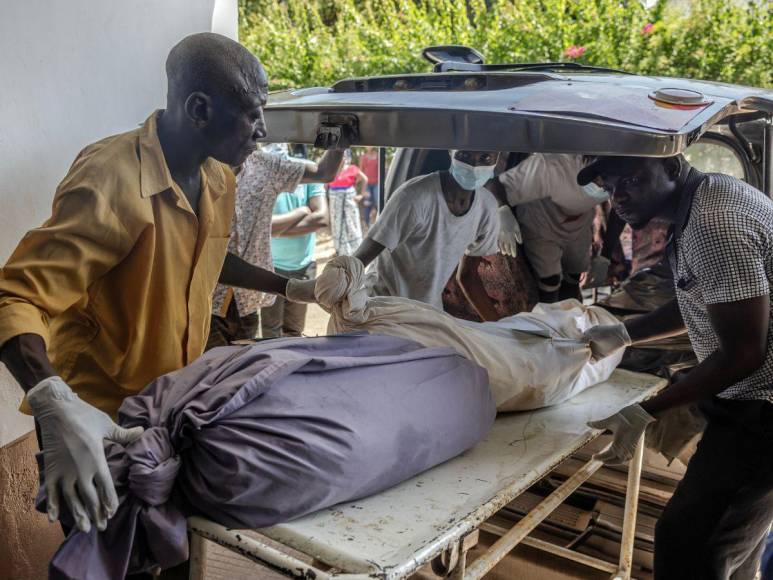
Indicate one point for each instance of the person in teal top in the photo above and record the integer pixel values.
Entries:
(297, 217)
(295, 252)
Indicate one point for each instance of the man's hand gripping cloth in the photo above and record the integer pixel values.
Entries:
(526, 371)
(257, 435)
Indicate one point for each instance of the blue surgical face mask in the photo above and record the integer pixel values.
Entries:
(595, 192)
(470, 176)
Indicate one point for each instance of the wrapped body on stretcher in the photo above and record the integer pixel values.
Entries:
(251, 436)
(526, 371)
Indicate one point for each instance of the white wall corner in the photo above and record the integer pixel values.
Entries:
(225, 18)
(63, 91)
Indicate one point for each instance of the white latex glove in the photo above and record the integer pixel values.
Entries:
(509, 232)
(606, 340)
(627, 427)
(72, 432)
(301, 290)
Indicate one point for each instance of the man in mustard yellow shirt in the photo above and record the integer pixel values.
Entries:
(115, 289)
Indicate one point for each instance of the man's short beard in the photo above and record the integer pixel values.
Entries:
(639, 225)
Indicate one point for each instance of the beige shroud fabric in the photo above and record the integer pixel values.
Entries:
(525, 371)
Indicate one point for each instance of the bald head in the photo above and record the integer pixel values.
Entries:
(217, 91)
(215, 65)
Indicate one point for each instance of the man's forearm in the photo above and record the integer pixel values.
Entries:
(715, 374)
(326, 169)
(242, 274)
(660, 323)
(308, 225)
(283, 222)
(741, 329)
(368, 251)
(26, 359)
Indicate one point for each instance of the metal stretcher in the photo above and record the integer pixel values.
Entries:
(436, 515)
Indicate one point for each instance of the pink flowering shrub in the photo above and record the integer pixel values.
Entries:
(574, 51)
(317, 42)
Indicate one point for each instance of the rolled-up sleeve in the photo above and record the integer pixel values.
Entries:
(527, 181)
(54, 265)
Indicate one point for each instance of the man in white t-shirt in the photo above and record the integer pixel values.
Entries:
(432, 224)
(556, 219)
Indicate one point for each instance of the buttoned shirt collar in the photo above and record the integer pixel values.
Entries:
(155, 177)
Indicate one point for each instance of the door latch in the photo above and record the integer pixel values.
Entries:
(339, 130)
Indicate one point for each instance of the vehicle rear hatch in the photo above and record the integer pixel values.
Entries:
(591, 113)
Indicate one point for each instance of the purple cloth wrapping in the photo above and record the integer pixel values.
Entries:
(257, 435)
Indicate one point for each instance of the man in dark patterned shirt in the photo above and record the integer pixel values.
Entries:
(721, 254)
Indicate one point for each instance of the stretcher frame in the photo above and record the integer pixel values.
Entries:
(447, 551)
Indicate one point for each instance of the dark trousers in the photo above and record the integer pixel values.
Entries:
(285, 318)
(223, 331)
(370, 202)
(714, 527)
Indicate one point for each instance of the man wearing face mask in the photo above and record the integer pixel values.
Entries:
(432, 224)
(556, 219)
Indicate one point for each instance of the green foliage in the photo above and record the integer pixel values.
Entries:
(316, 42)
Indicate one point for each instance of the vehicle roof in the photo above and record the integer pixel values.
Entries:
(602, 113)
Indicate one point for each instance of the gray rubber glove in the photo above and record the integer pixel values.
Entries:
(606, 340)
(627, 427)
(301, 290)
(509, 232)
(72, 433)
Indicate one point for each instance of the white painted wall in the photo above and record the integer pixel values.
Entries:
(71, 73)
